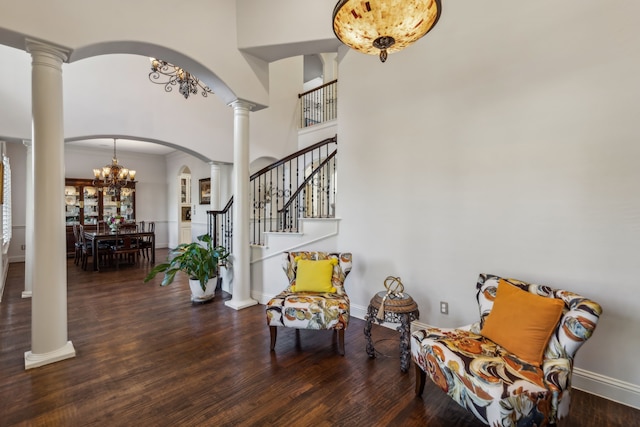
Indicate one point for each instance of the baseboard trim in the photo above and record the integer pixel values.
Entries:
(5, 269)
(358, 311)
(33, 360)
(606, 387)
(239, 305)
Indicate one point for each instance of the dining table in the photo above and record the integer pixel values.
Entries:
(94, 238)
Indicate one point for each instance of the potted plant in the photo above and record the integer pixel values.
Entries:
(199, 260)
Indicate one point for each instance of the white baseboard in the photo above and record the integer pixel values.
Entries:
(358, 311)
(260, 297)
(5, 269)
(33, 360)
(239, 305)
(606, 387)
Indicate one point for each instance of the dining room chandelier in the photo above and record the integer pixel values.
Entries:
(169, 75)
(380, 27)
(113, 176)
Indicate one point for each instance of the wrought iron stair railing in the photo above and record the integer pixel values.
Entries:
(303, 184)
(319, 105)
(314, 198)
(220, 225)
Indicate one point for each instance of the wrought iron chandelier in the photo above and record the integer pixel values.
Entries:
(380, 27)
(113, 176)
(169, 75)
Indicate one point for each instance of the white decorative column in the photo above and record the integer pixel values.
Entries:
(216, 205)
(241, 256)
(215, 186)
(49, 298)
(28, 231)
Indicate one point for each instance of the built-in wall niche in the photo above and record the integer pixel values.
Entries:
(185, 189)
(186, 213)
(184, 206)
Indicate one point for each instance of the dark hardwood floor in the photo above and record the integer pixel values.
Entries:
(147, 357)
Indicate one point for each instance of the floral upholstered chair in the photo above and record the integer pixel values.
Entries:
(497, 368)
(315, 297)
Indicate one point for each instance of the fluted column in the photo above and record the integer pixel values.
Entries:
(241, 256)
(49, 298)
(28, 230)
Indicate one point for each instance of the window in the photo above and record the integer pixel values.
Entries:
(5, 198)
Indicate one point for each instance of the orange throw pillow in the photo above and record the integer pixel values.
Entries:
(522, 322)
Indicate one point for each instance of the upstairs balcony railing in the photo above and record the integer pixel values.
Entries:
(319, 105)
(303, 184)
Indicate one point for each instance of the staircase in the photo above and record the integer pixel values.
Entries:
(297, 187)
(292, 200)
(300, 186)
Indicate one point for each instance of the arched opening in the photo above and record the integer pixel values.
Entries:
(184, 205)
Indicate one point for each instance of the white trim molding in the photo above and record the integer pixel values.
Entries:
(33, 360)
(606, 387)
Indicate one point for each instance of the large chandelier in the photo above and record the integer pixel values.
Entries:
(169, 75)
(383, 26)
(113, 176)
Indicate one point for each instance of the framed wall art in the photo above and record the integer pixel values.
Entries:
(205, 191)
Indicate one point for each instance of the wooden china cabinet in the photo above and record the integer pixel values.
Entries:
(90, 205)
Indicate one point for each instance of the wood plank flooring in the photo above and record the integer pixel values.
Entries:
(147, 357)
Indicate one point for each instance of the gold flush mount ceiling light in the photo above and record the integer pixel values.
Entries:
(383, 26)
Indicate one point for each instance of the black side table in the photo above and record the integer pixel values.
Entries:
(397, 309)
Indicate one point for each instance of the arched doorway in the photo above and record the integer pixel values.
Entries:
(184, 205)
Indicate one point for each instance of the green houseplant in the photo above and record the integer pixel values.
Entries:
(199, 260)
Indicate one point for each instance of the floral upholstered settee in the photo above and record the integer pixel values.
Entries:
(300, 307)
(499, 387)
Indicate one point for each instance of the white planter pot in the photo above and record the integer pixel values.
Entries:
(197, 295)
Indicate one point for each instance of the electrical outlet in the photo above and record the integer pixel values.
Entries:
(444, 307)
(22, 247)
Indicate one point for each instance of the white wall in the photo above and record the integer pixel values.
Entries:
(136, 107)
(305, 25)
(89, 28)
(273, 131)
(503, 142)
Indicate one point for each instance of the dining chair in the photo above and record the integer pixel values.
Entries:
(128, 226)
(86, 250)
(77, 244)
(145, 242)
(124, 248)
(140, 228)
